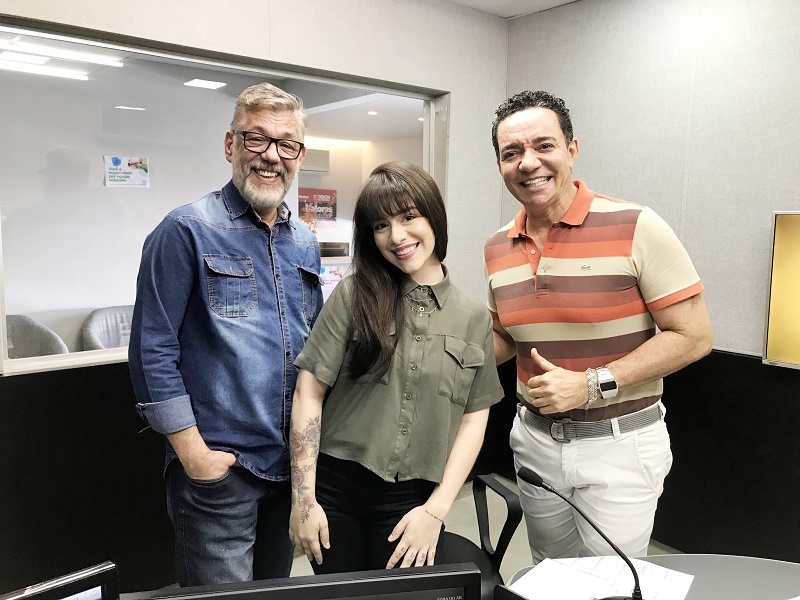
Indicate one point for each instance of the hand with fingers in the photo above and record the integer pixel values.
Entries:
(418, 532)
(308, 528)
(556, 390)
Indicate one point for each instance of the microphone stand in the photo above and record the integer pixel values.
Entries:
(529, 476)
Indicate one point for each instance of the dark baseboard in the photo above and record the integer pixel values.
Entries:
(81, 485)
(735, 480)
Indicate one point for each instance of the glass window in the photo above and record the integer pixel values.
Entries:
(98, 143)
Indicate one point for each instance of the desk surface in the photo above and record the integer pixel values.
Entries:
(734, 577)
(723, 577)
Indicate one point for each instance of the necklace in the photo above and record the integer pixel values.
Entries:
(420, 308)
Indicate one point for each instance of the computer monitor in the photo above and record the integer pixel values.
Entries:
(100, 582)
(460, 581)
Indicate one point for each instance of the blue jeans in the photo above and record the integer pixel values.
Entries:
(231, 529)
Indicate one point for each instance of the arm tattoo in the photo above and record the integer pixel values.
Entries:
(304, 444)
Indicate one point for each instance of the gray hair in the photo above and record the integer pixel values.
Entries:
(267, 96)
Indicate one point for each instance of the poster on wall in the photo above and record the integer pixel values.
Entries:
(126, 172)
(783, 317)
(330, 275)
(317, 207)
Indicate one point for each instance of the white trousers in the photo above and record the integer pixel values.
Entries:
(615, 480)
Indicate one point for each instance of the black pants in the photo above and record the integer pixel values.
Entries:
(362, 510)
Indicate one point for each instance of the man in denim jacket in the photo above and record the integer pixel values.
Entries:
(228, 290)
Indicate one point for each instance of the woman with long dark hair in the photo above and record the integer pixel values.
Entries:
(394, 389)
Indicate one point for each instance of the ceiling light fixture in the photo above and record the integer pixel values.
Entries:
(371, 113)
(43, 70)
(25, 58)
(129, 108)
(421, 119)
(205, 83)
(53, 52)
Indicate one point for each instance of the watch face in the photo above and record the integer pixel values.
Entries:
(608, 386)
(606, 383)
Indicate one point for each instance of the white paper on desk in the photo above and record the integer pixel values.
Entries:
(657, 583)
(552, 579)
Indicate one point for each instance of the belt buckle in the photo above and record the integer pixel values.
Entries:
(557, 431)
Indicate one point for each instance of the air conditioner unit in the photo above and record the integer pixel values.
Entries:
(316, 161)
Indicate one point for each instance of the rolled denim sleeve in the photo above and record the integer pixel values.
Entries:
(167, 276)
(168, 416)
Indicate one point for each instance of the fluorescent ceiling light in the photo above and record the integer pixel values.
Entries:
(129, 108)
(26, 58)
(371, 113)
(204, 83)
(53, 52)
(421, 119)
(43, 70)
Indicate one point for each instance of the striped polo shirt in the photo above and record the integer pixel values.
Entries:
(585, 299)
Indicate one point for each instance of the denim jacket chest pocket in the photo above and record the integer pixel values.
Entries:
(230, 285)
(460, 362)
(310, 283)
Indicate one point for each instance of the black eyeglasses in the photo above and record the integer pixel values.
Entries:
(258, 143)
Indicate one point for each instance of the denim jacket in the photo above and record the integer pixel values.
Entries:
(224, 304)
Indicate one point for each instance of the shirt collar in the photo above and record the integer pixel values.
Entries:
(238, 206)
(441, 290)
(575, 215)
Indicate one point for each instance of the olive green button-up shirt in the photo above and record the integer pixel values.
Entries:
(403, 426)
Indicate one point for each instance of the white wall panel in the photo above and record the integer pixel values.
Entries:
(744, 156)
(690, 107)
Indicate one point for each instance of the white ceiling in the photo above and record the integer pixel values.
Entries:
(396, 117)
(329, 116)
(333, 112)
(512, 8)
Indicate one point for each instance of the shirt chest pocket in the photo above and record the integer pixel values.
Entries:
(460, 362)
(230, 285)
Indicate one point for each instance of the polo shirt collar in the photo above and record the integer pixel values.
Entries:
(238, 206)
(575, 215)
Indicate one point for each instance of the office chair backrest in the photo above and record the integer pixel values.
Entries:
(458, 549)
(108, 327)
(27, 337)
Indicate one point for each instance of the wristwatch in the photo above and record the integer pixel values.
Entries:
(606, 382)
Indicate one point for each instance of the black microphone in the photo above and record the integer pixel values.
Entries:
(535, 479)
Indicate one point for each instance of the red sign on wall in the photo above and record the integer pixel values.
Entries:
(317, 207)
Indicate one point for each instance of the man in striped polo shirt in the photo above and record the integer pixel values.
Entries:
(578, 283)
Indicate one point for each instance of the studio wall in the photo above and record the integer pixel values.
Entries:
(690, 107)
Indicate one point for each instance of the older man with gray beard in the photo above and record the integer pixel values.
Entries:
(228, 290)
